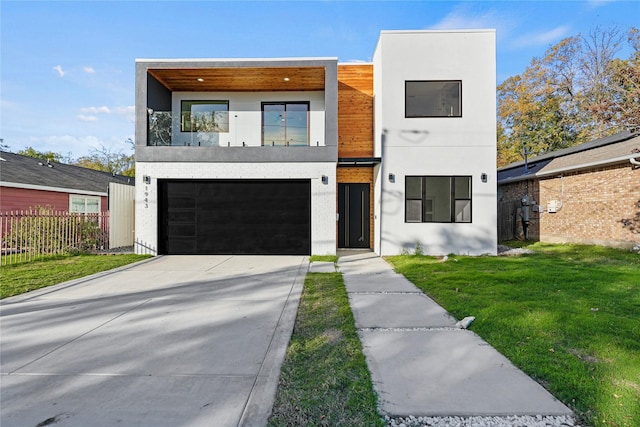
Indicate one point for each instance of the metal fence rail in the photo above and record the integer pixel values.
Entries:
(27, 235)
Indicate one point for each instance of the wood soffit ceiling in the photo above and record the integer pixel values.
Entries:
(241, 79)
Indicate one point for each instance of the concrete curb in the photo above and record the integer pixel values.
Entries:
(70, 283)
(262, 397)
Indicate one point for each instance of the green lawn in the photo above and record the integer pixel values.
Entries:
(28, 276)
(567, 315)
(324, 379)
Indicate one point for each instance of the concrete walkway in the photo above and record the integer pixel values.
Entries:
(420, 363)
(174, 341)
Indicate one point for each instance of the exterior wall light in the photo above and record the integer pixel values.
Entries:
(483, 177)
(325, 179)
(146, 179)
(392, 177)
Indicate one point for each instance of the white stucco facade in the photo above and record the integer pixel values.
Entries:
(435, 146)
(461, 144)
(323, 200)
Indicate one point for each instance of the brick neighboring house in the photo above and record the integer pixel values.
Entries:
(588, 194)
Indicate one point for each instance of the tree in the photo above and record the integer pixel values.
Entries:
(596, 77)
(576, 92)
(106, 160)
(45, 155)
(623, 105)
(535, 109)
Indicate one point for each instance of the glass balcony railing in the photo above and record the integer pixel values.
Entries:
(165, 129)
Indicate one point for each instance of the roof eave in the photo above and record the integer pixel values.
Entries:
(544, 173)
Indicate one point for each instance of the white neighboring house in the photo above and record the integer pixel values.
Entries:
(306, 155)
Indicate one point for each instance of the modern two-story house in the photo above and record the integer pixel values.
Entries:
(308, 155)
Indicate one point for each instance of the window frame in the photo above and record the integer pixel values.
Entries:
(424, 198)
(285, 103)
(191, 102)
(86, 199)
(417, 116)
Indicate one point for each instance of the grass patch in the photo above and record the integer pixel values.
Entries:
(567, 315)
(324, 379)
(28, 276)
(324, 258)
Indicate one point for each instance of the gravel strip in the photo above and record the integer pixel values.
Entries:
(504, 421)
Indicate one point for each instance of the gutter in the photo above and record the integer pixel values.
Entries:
(48, 188)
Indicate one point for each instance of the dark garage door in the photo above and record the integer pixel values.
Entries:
(267, 217)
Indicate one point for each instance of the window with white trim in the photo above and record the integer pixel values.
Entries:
(438, 199)
(84, 204)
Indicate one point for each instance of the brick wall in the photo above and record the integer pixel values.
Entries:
(595, 206)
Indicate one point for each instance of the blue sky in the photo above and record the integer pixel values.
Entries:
(67, 68)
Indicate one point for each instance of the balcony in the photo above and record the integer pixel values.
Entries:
(179, 130)
(167, 141)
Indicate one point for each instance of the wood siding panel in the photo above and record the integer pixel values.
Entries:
(243, 79)
(15, 199)
(355, 110)
(358, 175)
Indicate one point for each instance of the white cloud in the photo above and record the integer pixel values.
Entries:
(541, 38)
(58, 68)
(89, 70)
(470, 16)
(128, 112)
(597, 3)
(96, 110)
(89, 114)
(86, 118)
(76, 146)
(464, 18)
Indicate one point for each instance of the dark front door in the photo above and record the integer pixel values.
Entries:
(353, 215)
(264, 217)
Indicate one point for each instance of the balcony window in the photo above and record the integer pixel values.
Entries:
(433, 98)
(285, 124)
(438, 199)
(204, 116)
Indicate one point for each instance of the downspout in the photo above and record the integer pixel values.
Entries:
(633, 161)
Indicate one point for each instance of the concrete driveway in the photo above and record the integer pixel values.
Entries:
(174, 341)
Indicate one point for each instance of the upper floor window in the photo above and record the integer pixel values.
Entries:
(434, 98)
(204, 116)
(438, 199)
(285, 123)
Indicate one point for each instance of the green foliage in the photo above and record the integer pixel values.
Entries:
(324, 380)
(102, 159)
(43, 231)
(45, 155)
(567, 315)
(107, 160)
(28, 276)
